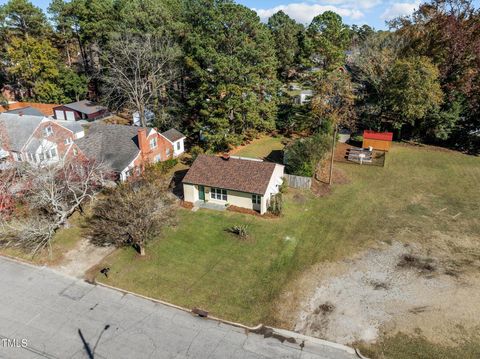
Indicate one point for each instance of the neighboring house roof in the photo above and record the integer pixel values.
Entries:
(44, 108)
(85, 106)
(116, 146)
(75, 127)
(18, 129)
(29, 111)
(372, 135)
(241, 175)
(173, 135)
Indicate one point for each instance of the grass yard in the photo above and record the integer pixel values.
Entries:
(198, 263)
(263, 147)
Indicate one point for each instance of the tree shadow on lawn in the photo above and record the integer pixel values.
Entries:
(275, 156)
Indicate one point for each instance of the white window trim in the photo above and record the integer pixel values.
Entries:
(48, 131)
(154, 140)
(219, 194)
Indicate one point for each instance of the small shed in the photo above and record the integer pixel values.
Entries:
(81, 110)
(378, 140)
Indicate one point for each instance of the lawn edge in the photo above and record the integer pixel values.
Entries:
(259, 329)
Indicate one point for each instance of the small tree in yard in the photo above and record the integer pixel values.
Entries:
(49, 195)
(334, 103)
(131, 214)
(303, 155)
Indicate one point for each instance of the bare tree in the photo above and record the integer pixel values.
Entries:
(50, 194)
(137, 70)
(131, 214)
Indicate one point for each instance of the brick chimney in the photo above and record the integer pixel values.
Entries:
(143, 141)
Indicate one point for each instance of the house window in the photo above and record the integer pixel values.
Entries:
(68, 141)
(75, 152)
(256, 199)
(51, 153)
(218, 193)
(41, 157)
(48, 131)
(157, 158)
(18, 156)
(178, 146)
(153, 143)
(168, 152)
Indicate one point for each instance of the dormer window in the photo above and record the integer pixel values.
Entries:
(48, 131)
(68, 141)
(153, 143)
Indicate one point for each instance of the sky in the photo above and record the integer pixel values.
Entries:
(372, 12)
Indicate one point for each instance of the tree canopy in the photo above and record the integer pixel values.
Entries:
(233, 76)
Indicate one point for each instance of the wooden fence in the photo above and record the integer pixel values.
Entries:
(298, 181)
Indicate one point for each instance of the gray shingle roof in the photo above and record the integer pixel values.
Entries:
(18, 129)
(85, 106)
(73, 126)
(28, 111)
(173, 135)
(234, 174)
(116, 146)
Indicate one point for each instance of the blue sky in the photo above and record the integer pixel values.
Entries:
(371, 12)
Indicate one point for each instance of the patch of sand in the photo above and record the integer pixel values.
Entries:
(80, 259)
(431, 289)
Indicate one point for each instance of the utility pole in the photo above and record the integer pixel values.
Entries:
(330, 181)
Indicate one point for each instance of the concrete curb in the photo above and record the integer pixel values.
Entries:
(281, 334)
(260, 329)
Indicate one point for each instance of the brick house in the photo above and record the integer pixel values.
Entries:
(125, 150)
(37, 139)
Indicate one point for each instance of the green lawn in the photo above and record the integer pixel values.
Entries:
(263, 147)
(198, 263)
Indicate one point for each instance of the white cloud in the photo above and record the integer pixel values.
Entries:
(399, 9)
(305, 12)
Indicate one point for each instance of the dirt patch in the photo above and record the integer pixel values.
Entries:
(431, 289)
(323, 174)
(80, 259)
(320, 186)
(187, 205)
(251, 212)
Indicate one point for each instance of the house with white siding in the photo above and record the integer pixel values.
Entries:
(229, 180)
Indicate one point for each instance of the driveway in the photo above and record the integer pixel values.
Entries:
(45, 314)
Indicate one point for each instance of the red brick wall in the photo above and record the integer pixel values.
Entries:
(60, 134)
(149, 154)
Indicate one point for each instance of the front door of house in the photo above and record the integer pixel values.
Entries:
(201, 193)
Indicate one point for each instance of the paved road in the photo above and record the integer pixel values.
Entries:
(63, 317)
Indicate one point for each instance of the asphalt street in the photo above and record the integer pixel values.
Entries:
(45, 314)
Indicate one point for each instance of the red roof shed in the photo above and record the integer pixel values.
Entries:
(377, 140)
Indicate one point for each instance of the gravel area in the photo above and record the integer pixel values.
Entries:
(412, 289)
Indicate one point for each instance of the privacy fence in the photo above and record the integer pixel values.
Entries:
(298, 181)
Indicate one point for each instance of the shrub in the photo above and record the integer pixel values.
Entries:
(195, 151)
(276, 204)
(357, 138)
(239, 230)
(284, 186)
